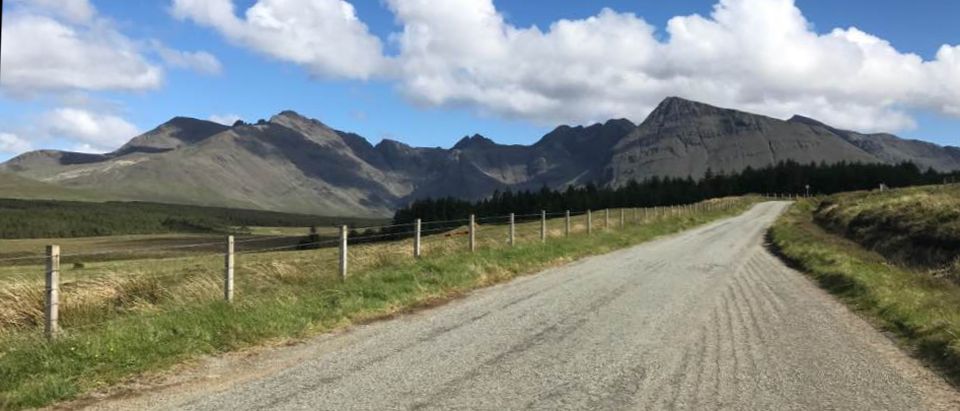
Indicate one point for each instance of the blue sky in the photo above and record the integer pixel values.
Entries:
(252, 84)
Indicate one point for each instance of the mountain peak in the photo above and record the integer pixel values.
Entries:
(388, 142)
(174, 133)
(294, 120)
(620, 123)
(189, 122)
(475, 141)
(293, 115)
(805, 120)
(679, 110)
(296, 164)
(290, 113)
(673, 106)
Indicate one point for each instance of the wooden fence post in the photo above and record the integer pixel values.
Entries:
(589, 222)
(52, 294)
(343, 253)
(228, 271)
(473, 233)
(566, 224)
(543, 226)
(622, 221)
(416, 238)
(513, 230)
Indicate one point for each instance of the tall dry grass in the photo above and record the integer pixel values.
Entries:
(104, 290)
(126, 318)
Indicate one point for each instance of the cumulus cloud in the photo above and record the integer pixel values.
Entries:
(199, 61)
(464, 53)
(324, 35)
(757, 55)
(76, 11)
(63, 46)
(94, 132)
(225, 119)
(13, 144)
(41, 53)
(66, 50)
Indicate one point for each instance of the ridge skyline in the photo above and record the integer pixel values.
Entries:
(298, 164)
(466, 138)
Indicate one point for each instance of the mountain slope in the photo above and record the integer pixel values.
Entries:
(14, 186)
(265, 166)
(682, 138)
(892, 149)
(296, 164)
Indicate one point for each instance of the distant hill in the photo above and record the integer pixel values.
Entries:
(16, 187)
(296, 164)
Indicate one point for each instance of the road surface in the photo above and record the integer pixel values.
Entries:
(705, 319)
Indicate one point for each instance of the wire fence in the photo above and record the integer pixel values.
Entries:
(231, 268)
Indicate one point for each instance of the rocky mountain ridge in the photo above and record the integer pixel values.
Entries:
(297, 164)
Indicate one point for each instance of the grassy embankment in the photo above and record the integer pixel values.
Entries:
(918, 227)
(125, 318)
(887, 255)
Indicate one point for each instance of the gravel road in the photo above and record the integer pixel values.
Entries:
(705, 319)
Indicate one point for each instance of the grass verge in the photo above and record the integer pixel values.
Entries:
(917, 226)
(923, 311)
(35, 372)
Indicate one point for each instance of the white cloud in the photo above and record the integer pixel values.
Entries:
(13, 144)
(757, 55)
(64, 49)
(199, 61)
(64, 46)
(76, 11)
(323, 35)
(41, 53)
(94, 132)
(225, 119)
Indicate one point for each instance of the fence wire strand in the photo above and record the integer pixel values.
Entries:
(384, 245)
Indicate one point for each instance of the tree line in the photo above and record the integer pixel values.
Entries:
(784, 178)
(56, 219)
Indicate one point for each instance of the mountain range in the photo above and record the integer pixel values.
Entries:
(296, 164)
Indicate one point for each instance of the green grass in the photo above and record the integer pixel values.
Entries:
(148, 325)
(60, 219)
(921, 309)
(14, 186)
(918, 226)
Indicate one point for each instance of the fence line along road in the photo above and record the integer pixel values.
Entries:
(53, 253)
